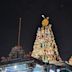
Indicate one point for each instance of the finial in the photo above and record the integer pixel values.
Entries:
(45, 21)
(43, 16)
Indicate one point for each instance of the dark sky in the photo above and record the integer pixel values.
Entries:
(59, 11)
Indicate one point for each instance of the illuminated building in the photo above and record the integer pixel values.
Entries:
(44, 57)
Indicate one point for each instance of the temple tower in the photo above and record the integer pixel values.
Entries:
(45, 47)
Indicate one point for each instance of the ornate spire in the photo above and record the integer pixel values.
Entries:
(45, 47)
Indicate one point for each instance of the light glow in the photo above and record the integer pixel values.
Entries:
(51, 70)
(15, 66)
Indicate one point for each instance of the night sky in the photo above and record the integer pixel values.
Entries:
(59, 11)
